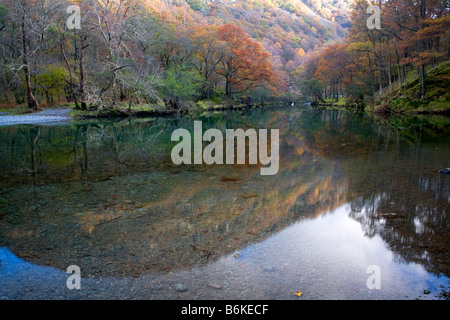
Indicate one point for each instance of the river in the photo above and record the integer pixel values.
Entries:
(357, 210)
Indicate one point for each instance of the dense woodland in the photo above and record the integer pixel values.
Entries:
(172, 53)
(414, 36)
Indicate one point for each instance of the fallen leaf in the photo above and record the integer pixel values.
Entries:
(247, 196)
(236, 255)
(298, 293)
(229, 179)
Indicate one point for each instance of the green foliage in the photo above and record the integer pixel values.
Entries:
(289, 7)
(312, 88)
(437, 98)
(3, 12)
(51, 82)
(260, 95)
(198, 5)
(182, 83)
(339, 103)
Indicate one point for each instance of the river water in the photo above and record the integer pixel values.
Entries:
(358, 210)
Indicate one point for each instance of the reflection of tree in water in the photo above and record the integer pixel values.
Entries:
(393, 187)
(410, 213)
(149, 215)
(92, 150)
(119, 204)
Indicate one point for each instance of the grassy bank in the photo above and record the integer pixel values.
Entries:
(341, 102)
(143, 110)
(147, 110)
(407, 100)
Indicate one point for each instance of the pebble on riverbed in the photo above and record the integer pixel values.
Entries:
(180, 287)
(214, 285)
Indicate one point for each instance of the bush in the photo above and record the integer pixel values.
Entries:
(181, 84)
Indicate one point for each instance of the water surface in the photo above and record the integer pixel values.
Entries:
(104, 195)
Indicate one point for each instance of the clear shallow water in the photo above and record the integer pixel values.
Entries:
(106, 197)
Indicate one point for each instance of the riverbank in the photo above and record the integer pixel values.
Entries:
(63, 112)
(407, 100)
(141, 111)
(47, 116)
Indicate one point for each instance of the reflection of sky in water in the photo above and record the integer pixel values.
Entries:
(334, 252)
(11, 266)
(22, 276)
(326, 258)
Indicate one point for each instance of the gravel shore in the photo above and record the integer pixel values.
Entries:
(53, 116)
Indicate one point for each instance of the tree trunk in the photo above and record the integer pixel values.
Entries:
(421, 49)
(81, 90)
(228, 87)
(4, 87)
(422, 81)
(69, 68)
(31, 100)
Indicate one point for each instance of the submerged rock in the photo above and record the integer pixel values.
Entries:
(445, 171)
(180, 287)
(214, 285)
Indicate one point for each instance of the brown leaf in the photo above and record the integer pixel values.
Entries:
(229, 179)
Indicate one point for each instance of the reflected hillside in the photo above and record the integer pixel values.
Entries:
(105, 195)
(111, 201)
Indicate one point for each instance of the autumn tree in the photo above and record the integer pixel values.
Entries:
(246, 65)
(312, 88)
(29, 26)
(333, 68)
(210, 52)
(112, 20)
(407, 21)
(413, 34)
(73, 44)
(142, 79)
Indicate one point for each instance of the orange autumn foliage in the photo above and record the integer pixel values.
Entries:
(246, 66)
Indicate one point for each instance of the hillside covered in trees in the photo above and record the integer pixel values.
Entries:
(129, 52)
(171, 55)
